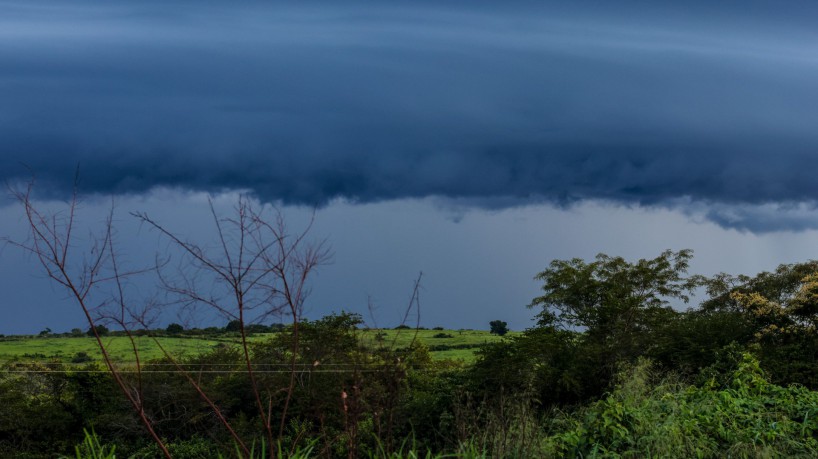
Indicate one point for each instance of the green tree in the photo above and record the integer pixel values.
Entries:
(618, 307)
(256, 328)
(102, 330)
(613, 300)
(498, 327)
(778, 286)
(779, 309)
(175, 329)
(610, 293)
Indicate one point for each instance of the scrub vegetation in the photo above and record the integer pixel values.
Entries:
(609, 369)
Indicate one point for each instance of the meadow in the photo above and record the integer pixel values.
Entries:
(459, 345)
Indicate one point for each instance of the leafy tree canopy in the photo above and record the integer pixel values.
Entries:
(779, 286)
(233, 326)
(498, 327)
(611, 293)
(102, 330)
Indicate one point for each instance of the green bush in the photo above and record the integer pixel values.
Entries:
(749, 418)
(81, 357)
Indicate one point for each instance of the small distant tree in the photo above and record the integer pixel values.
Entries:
(45, 332)
(102, 330)
(498, 327)
(233, 326)
(256, 328)
(75, 332)
(174, 329)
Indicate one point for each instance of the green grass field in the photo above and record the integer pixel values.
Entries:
(64, 348)
(463, 343)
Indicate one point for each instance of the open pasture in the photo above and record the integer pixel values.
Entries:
(443, 344)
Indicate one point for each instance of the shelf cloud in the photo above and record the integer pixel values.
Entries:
(701, 108)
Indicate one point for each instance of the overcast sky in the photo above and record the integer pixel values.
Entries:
(473, 141)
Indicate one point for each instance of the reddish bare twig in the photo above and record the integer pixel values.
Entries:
(50, 240)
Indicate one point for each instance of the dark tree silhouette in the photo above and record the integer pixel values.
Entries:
(498, 327)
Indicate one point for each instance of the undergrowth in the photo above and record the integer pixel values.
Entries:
(643, 416)
(748, 418)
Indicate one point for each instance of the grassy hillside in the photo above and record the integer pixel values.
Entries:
(444, 344)
(65, 348)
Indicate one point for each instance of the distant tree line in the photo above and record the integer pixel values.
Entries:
(170, 330)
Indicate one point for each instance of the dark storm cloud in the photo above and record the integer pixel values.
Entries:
(637, 104)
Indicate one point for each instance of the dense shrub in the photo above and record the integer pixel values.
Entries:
(81, 357)
(641, 417)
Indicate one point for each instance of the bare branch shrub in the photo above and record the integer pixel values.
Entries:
(53, 242)
(257, 270)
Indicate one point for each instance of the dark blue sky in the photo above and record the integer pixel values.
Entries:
(304, 102)
(705, 109)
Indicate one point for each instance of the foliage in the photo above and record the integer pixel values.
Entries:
(506, 426)
(35, 416)
(91, 448)
(193, 448)
(779, 313)
(748, 418)
(81, 357)
(102, 330)
(547, 362)
(498, 327)
(175, 329)
(609, 294)
(618, 305)
(777, 286)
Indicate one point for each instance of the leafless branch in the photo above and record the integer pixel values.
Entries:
(50, 240)
(256, 271)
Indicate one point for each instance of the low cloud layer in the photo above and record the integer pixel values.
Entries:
(307, 102)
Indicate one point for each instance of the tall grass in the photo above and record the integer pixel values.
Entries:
(92, 448)
(507, 427)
